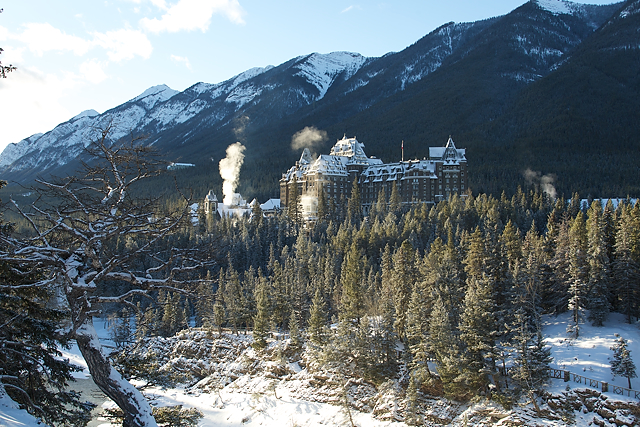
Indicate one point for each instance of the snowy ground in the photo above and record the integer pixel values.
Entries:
(589, 354)
(261, 401)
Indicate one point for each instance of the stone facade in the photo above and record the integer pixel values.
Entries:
(417, 181)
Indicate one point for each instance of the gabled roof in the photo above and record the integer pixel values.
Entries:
(448, 153)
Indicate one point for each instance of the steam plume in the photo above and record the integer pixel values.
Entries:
(230, 171)
(309, 137)
(543, 182)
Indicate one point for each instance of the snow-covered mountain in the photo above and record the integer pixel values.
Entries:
(522, 47)
(160, 108)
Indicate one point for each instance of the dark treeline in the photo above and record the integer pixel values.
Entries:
(461, 284)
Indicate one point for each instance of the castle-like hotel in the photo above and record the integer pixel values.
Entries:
(417, 181)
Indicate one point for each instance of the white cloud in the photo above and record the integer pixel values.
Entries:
(181, 59)
(124, 44)
(161, 4)
(190, 15)
(350, 8)
(41, 38)
(12, 55)
(93, 71)
(31, 102)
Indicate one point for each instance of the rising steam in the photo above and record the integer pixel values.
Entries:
(309, 137)
(542, 182)
(230, 171)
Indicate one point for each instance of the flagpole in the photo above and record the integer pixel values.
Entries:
(402, 147)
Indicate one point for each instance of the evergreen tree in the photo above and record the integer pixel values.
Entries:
(478, 333)
(395, 202)
(446, 349)
(599, 268)
(280, 302)
(532, 357)
(219, 313)
(204, 302)
(558, 244)
(169, 315)
(32, 371)
(351, 299)
(402, 279)
(294, 331)
(626, 272)
(475, 258)
(418, 333)
(261, 319)
(323, 206)
(354, 205)
(622, 364)
(234, 299)
(412, 416)
(385, 333)
(578, 272)
(293, 202)
(381, 204)
(318, 318)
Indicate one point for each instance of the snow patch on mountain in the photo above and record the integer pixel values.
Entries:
(632, 9)
(155, 94)
(14, 151)
(533, 50)
(194, 108)
(85, 113)
(322, 70)
(356, 85)
(246, 93)
(560, 7)
(249, 74)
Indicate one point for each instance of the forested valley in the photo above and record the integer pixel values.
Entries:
(460, 285)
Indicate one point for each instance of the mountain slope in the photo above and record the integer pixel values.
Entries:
(493, 84)
(581, 123)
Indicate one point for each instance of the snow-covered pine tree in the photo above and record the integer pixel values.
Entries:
(532, 357)
(622, 364)
(412, 416)
(32, 372)
(478, 333)
(446, 348)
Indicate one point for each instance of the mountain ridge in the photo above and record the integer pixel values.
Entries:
(462, 78)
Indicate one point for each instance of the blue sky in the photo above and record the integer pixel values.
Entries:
(74, 55)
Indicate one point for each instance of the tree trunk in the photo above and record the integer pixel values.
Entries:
(136, 409)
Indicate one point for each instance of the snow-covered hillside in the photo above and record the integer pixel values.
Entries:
(277, 387)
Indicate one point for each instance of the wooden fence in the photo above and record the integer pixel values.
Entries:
(604, 386)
